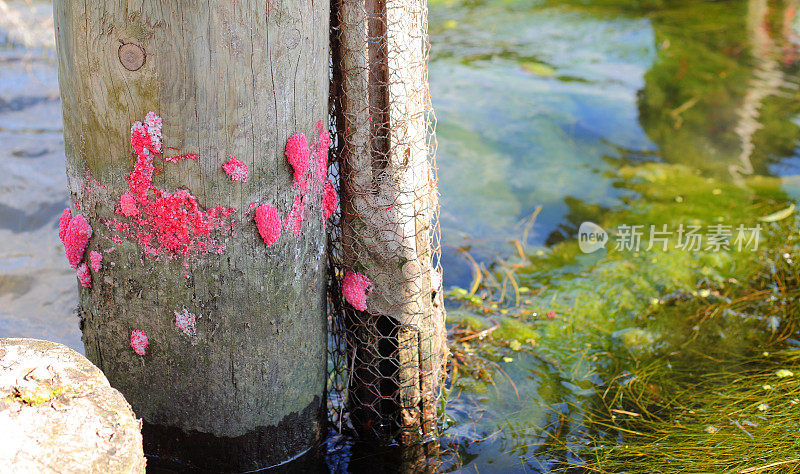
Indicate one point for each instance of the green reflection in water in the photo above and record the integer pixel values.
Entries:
(721, 95)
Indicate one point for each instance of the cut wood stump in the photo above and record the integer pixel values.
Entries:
(58, 413)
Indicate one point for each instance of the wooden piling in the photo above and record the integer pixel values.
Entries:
(245, 388)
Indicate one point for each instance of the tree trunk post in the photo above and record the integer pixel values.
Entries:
(216, 337)
(389, 217)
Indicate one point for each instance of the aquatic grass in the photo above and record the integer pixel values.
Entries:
(736, 417)
(631, 351)
(710, 404)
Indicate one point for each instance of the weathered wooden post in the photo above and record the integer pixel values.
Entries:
(195, 305)
(392, 280)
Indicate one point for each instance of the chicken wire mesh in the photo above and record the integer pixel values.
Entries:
(386, 312)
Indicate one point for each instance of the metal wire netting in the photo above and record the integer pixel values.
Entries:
(387, 351)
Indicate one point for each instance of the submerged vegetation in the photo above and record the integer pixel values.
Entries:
(665, 360)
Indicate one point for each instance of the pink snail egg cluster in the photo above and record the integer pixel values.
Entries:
(294, 221)
(74, 233)
(329, 200)
(139, 342)
(297, 153)
(153, 123)
(63, 223)
(127, 205)
(140, 139)
(141, 176)
(169, 224)
(84, 276)
(354, 289)
(96, 259)
(185, 321)
(268, 222)
(236, 169)
(177, 158)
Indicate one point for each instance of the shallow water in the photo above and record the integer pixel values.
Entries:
(555, 104)
(617, 114)
(539, 102)
(37, 288)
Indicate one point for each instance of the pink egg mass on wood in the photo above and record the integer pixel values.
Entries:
(268, 222)
(354, 289)
(75, 239)
(139, 342)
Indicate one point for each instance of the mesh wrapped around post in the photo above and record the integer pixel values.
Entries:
(389, 349)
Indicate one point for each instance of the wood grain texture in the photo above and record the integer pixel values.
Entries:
(230, 78)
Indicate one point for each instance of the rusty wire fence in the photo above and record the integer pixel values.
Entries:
(386, 312)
